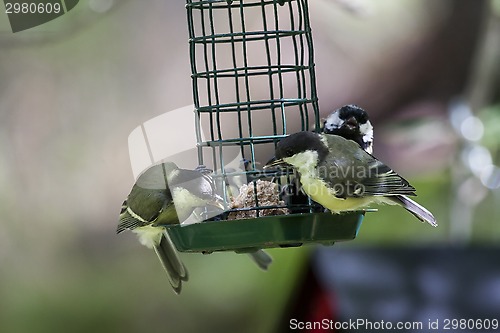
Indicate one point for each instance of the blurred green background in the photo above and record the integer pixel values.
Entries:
(72, 90)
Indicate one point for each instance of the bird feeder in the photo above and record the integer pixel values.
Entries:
(252, 69)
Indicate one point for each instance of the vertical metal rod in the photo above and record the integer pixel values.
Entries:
(207, 70)
(312, 71)
(214, 65)
(280, 74)
(302, 26)
(269, 62)
(236, 75)
(245, 71)
(194, 71)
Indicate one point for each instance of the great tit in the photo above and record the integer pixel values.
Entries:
(351, 122)
(165, 195)
(339, 175)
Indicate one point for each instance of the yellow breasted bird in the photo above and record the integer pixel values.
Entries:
(163, 195)
(339, 175)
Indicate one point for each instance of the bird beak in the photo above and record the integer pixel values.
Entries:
(274, 162)
(351, 124)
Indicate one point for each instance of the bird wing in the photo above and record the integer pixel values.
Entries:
(149, 203)
(143, 208)
(382, 180)
(352, 172)
(168, 215)
(127, 221)
(150, 196)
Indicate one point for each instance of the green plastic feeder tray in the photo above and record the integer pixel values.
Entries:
(248, 235)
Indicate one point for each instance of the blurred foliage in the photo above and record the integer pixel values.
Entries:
(93, 293)
(490, 116)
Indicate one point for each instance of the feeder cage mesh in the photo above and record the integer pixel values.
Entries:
(252, 69)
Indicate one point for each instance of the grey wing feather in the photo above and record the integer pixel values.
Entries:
(419, 211)
(353, 168)
(382, 180)
(127, 222)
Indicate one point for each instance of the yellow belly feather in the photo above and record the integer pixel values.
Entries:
(318, 190)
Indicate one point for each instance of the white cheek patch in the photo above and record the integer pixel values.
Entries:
(333, 121)
(367, 131)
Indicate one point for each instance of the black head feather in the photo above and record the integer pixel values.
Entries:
(299, 143)
(351, 110)
(352, 123)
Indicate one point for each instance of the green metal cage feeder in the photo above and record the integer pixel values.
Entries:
(252, 69)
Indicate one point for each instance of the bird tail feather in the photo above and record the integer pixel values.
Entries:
(261, 258)
(176, 271)
(414, 208)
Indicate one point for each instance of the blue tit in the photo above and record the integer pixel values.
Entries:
(164, 195)
(340, 176)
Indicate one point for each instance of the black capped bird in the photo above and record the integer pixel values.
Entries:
(336, 173)
(164, 195)
(351, 122)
